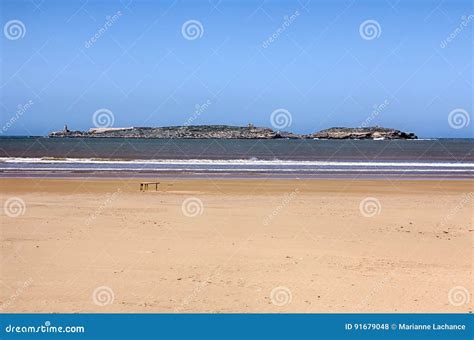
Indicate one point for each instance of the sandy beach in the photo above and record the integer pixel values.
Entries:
(247, 245)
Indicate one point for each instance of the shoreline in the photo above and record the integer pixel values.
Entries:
(235, 175)
(235, 168)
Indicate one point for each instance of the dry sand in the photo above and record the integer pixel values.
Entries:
(100, 245)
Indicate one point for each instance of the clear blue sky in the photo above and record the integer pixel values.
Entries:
(319, 68)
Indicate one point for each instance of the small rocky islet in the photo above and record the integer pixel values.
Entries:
(233, 132)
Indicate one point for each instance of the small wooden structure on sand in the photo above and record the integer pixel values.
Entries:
(144, 185)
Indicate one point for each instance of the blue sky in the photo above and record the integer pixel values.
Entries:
(319, 67)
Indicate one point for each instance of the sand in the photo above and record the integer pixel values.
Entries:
(101, 245)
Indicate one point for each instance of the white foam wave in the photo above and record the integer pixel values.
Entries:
(237, 162)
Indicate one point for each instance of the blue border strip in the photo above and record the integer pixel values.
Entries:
(237, 326)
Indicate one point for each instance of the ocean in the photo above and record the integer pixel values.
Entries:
(41, 156)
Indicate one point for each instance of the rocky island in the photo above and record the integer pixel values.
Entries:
(374, 132)
(232, 132)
